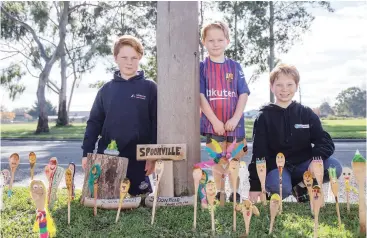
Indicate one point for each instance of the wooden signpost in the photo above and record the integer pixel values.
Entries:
(159, 153)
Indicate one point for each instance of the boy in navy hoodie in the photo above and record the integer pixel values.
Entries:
(290, 128)
(125, 110)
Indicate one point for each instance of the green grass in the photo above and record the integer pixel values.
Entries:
(346, 128)
(338, 129)
(18, 218)
(74, 131)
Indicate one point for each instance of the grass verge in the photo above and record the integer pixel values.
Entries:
(18, 218)
(338, 129)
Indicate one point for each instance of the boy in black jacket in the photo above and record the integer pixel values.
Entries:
(290, 128)
(125, 110)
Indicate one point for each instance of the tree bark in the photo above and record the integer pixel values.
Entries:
(235, 30)
(42, 125)
(178, 90)
(201, 27)
(113, 170)
(62, 115)
(272, 44)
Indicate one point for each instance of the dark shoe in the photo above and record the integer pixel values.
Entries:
(300, 194)
(217, 196)
(238, 197)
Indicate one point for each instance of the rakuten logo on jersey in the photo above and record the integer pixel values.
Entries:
(214, 94)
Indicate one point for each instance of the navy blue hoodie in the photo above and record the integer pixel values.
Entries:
(290, 131)
(125, 111)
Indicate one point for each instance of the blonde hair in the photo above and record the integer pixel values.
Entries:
(217, 25)
(285, 69)
(129, 41)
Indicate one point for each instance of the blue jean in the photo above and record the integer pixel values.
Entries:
(295, 175)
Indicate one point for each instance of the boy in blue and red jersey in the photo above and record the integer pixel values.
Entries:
(223, 95)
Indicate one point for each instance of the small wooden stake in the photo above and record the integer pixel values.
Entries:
(317, 168)
(316, 193)
(359, 170)
(261, 172)
(234, 166)
(308, 181)
(159, 167)
(13, 164)
(196, 174)
(280, 159)
(124, 189)
(68, 182)
(335, 189)
(32, 162)
(274, 209)
(210, 193)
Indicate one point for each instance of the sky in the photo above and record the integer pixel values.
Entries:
(330, 57)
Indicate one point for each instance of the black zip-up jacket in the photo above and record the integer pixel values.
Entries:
(290, 131)
(125, 111)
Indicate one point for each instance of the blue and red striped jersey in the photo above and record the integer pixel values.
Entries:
(222, 84)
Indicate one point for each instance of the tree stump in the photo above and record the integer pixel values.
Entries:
(113, 170)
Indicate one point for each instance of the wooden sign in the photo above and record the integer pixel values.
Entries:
(113, 204)
(169, 201)
(161, 152)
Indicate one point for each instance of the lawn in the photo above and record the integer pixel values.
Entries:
(338, 129)
(18, 218)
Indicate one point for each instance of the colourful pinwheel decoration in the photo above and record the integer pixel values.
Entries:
(218, 154)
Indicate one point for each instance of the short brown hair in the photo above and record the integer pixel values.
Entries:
(284, 69)
(130, 41)
(218, 25)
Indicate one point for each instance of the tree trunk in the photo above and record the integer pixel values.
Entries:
(201, 27)
(42, 125)
(178, 93)
(62, 115)
(235, 30)
(113, 170)
(72, 88)
(272, 44)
